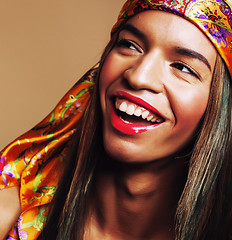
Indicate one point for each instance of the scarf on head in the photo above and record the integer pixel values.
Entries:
(213, 17)
(35, 161)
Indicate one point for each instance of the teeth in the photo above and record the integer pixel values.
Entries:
(123, 107)
(145, 114)
(153, 119)
(117, 104)
(130, 109)
(133, 109)
(138, 112)
(156, 119)
(149, 118)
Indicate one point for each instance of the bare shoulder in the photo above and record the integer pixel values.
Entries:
(9, 208)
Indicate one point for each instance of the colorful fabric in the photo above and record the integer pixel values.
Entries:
(35, 161)
(213, 17)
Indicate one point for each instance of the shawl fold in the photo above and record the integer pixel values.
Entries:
(35, 161)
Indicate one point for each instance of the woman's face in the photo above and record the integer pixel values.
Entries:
(154, 86)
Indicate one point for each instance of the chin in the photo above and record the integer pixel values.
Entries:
(127, 152)
(122, 153)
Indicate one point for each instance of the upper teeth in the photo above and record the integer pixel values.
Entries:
(133, 109)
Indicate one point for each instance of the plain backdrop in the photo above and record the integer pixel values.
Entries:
(45, 47)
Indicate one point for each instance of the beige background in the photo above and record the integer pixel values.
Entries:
(45, 46)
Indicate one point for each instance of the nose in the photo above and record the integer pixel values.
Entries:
(146, 72)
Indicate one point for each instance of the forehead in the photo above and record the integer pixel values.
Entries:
(156, 25)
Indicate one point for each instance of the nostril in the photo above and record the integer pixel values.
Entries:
(128, 85)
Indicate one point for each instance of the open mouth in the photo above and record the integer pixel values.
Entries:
(131, 118)
(132, 113)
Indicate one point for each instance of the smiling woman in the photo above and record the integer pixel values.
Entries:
(164, 81)
(142, 141)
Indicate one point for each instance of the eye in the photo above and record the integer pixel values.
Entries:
(128, 44)
(185, 69)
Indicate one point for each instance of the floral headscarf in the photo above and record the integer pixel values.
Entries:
(213, 17)
(35, 161)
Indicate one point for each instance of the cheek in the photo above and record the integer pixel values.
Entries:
(104, 83)
(112, 70)
(190, 108)
(107, 77)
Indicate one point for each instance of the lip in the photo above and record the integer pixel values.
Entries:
(139, 102)
(130, 128)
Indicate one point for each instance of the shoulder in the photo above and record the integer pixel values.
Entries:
(10, 209)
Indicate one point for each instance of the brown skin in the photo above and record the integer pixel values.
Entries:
(10, 209)
(137, 202)
(137, 198)
(164, 69)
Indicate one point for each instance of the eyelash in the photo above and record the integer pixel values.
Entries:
(127, 44)
(180, 66)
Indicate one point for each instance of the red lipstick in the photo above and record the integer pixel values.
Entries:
(138, 101)
(127, 127)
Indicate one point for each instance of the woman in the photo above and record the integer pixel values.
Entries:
(152, 149)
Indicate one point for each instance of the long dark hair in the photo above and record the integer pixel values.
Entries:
(69, 208)
(204, 209)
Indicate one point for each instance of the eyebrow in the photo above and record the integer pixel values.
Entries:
(180, 50)
(193, 54)
(130, 28)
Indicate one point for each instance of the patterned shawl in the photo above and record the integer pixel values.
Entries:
(35, 161)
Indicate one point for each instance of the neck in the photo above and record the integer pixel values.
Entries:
(138, 201)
